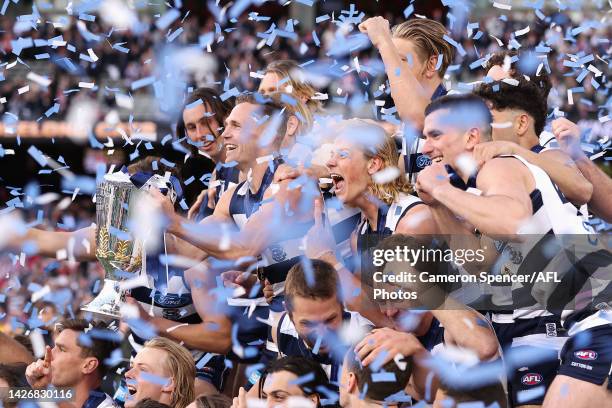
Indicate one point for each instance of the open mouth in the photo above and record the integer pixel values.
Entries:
(230, 147)
(131, 389)
(208, 144)
(436, 159)
(339, 182)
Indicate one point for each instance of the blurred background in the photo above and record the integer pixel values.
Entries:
(85, 85)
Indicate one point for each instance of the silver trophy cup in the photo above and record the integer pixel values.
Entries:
(119, 254)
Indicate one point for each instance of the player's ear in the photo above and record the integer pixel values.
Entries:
(523, 122)
(473, 137)
(375, 164)
(90, 365)
(169, 387)
(430, 66)
(352, 383)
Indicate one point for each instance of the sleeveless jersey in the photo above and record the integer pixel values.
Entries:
(387, 221)
(552, 215)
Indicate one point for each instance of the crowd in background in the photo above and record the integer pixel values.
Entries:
(46, 291)
(240, 53)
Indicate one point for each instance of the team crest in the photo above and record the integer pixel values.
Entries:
(278, 253)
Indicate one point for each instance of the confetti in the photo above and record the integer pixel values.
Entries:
(386, 175)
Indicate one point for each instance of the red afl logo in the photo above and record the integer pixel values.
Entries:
(586, 354)
(531, 379)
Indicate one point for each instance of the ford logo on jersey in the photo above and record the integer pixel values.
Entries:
(171, 300)
(586, 355)
(422, 161)
(531, 379)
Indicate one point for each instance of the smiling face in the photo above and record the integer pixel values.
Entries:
(145, 375)
(445, 142)
(350, 170)
(314, 317)
(241, 136)
(279, 386)
(203, 128)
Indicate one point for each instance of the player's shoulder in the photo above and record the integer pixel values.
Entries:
(501, 165)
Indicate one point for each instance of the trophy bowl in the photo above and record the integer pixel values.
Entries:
(119, 254)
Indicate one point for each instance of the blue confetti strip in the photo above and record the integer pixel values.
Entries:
(141, 83)
(167, 19)
(38, 156)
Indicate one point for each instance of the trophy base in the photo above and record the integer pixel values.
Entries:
(106, 306)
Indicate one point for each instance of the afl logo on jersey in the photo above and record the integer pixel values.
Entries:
(423, 161)
(278, 253)
(586, 355)
(531, 379)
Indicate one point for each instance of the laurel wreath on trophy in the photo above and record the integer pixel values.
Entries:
(121, 254)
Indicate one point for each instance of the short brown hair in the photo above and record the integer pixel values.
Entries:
(375, 390)
(102, 340)
(181, 367)
(465, 111)
(213, 401)
(149, 403)
(322, 282)
(428, 36)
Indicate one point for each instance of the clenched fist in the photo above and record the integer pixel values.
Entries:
(377, 28)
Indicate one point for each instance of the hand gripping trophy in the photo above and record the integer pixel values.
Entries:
(119, 253)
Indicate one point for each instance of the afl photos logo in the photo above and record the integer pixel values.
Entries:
(589, 355)
(531, 379)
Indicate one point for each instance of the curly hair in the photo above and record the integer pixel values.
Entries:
(541, 79)
(524, 96)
